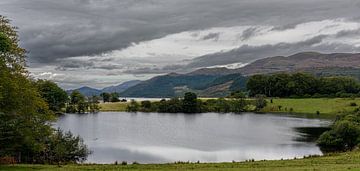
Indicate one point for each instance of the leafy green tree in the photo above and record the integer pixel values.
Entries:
(115, 97)
(260, 102)
(53, 94)
(76, 97)
(344, 135)
(65, 148)
(24, 115)
(106, 97)
(133, 106)
(146, 106)
(190, 104)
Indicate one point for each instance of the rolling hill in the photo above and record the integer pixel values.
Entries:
(88, 91)
(219, 82)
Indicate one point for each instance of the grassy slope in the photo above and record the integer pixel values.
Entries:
(118, 106)
(341, 161)
(326, 106)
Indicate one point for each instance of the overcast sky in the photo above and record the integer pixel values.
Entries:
(105, 42)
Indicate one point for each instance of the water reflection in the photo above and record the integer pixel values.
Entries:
(211, 137)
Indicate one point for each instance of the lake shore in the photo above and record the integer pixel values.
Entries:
(312, 107)
(335, 161)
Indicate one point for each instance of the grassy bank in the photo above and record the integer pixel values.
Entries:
(341, 161)
(327, 107)
(112, 107)
(324, 106)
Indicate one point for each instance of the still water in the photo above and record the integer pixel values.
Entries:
(209, 137)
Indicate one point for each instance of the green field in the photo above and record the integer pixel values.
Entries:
(341, 161)
(110, 107)
(327, 107)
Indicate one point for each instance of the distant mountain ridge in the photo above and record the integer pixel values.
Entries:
(88, 91)
(300, 62)
(218, 82)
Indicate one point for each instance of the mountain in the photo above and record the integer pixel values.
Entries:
(219, 82)
(121, 87)
(86, 91)
(172, 85)
(301, 62)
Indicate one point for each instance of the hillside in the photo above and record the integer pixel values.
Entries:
(307, 61)
(218, 82)
(121, 87)
(88, 91)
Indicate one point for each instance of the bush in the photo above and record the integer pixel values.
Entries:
(260, 102)
(344, 135)
(65, 148)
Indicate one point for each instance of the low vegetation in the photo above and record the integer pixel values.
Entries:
(344, 134)
(334, 162)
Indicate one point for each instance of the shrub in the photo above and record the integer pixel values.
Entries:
(353, 104)
(344, 135)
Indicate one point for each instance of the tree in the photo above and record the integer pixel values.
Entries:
(344, 135)
(190, 104)
(115, 97)
(105, 97)
(76, 97)
(65, 148)
(133, 106)
(24, 115)
(257, 84)
(260, 102)
(53, 94)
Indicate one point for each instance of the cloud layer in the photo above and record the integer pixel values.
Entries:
(103, 42)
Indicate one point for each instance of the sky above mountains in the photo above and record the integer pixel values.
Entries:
(106, 42)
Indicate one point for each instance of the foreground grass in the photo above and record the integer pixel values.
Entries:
(340, 161)
(326, 107)
(113, 107)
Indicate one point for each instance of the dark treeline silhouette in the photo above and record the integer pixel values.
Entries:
(302, 85)
(191, 104)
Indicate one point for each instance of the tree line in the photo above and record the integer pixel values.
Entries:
(302, 85)
(27, 108)
(191, 104)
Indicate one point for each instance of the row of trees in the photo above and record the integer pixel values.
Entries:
(26, 110)
(80, 104)
(191, 104)
(110, 97)
(302, 85)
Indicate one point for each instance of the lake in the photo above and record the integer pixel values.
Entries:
(208, 137)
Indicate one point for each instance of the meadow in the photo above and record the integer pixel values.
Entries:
(323, 107)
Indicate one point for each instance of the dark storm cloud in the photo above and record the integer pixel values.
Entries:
(248, 33)
(61, 29)
(211, 36)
